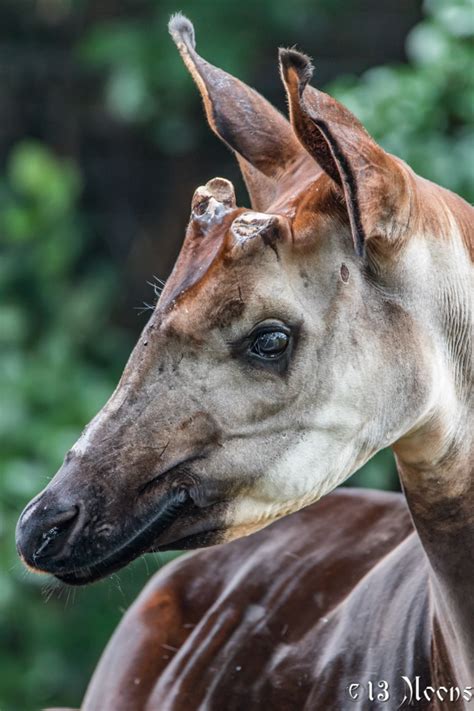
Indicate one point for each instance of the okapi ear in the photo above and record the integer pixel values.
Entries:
(372, 181)
(262, 139)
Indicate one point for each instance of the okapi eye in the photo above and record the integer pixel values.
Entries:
(270, 344)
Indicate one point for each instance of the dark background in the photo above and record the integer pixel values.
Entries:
(102, 143)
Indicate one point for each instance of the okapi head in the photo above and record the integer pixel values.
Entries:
(293, 340)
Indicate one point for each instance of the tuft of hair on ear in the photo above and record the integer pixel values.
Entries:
(182, 30)
(297, 61)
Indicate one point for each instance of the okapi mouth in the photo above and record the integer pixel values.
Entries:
(174, 506)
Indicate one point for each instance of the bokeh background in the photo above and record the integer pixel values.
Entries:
(102, 142)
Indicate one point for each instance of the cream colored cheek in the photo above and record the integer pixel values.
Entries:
(305, 473)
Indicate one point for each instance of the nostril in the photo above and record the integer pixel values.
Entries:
(46, 538)
(52, 541)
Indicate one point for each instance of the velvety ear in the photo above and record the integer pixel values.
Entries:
(373, 183)
(262, 139)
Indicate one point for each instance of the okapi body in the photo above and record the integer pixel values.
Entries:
(292, 341)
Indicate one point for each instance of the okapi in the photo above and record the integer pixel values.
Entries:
(293, 340)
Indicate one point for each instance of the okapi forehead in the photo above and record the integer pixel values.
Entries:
(219, 233)
(204, 248)
(214, 228)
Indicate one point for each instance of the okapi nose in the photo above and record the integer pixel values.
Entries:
(45, 532)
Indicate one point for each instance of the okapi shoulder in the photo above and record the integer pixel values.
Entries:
(251, 616)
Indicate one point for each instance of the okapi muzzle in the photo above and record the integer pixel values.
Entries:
(148, 472)
(290, 344)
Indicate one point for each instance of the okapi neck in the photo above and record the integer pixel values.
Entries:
(441, 502)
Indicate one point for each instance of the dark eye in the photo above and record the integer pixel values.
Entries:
(270, 344)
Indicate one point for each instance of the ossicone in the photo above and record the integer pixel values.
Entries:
(212, 201)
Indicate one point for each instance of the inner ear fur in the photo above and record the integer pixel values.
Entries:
(261, 138)
(373, 183)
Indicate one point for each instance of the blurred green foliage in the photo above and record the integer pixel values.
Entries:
(53, 376)
(56, 370)
(60, 354)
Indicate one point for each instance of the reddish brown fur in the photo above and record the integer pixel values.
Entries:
(284, 619)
